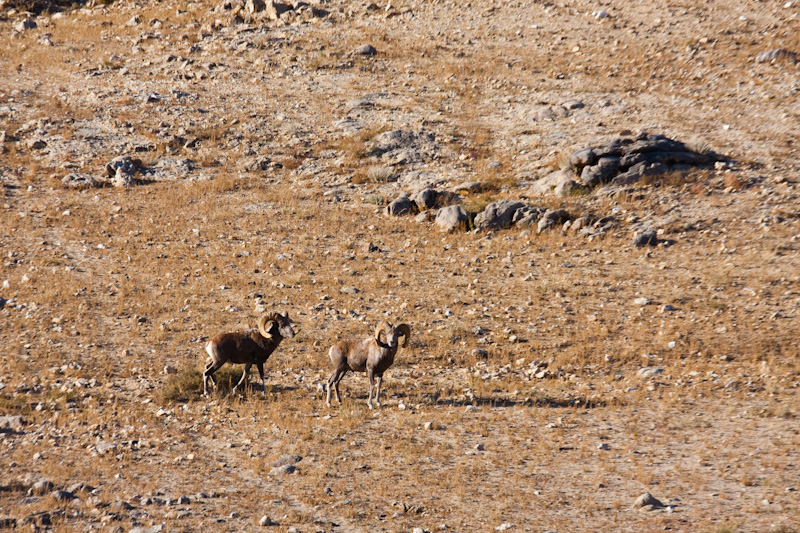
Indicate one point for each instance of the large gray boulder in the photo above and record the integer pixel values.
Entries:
(605, 169)
(552, 218)
(401, 206)
(122, 170)
(425, 199)
(624, 161)
(549, 183)
(452, 217)
(582, 158)
(497, 215)
(567, 188)
(527, 216)
(430, 198)
(397, 147)
(645, 238)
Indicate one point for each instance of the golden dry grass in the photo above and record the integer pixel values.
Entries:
(113, 285)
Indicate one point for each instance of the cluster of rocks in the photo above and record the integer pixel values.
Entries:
(12, 424)
(285, 465)
(553, 112)
(424, 200)
(39, 6)
(443, 208)
(622, 162)
(400, 147)
(126, 171)
(776, 54)
(40, 492)
(256, 10)
(120, 172)
(78, 495)
(44, 139)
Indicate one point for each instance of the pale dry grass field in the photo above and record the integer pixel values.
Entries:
(522, 401)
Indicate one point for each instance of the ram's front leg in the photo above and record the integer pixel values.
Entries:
(379, 378)
(371, 376)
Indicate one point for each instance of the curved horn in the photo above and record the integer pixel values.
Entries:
(262, 324)
(405, 331)
(383, 327)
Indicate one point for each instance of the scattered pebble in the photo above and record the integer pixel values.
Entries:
(266, 521)
(283, 470)
(365, 50)
(647, 502)
(287, 460)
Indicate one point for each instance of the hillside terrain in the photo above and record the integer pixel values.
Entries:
(586, 212)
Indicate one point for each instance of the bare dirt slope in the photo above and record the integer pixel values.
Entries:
(172, 170)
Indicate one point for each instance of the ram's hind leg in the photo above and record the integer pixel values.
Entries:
(334, 380)
(208, 374)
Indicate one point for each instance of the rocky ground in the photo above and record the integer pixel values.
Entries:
(587, 212)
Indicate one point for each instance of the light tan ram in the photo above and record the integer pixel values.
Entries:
(372, 355)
